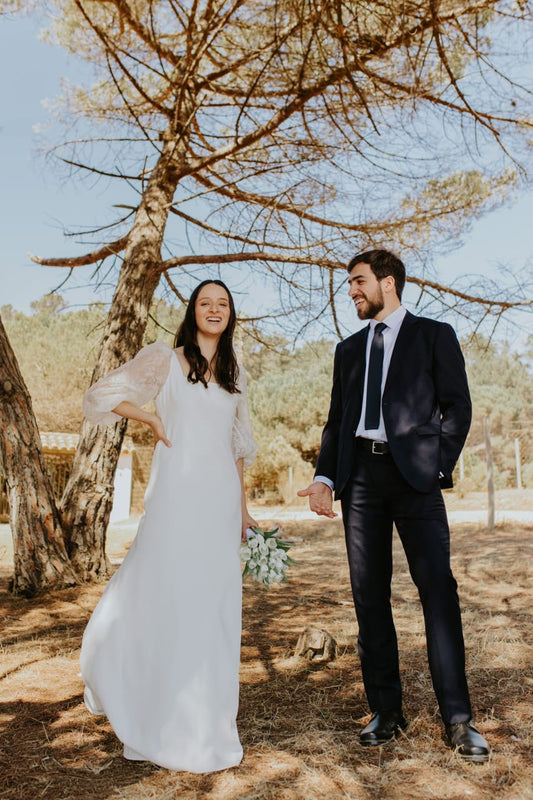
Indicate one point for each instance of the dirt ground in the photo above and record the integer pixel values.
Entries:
(298, 720)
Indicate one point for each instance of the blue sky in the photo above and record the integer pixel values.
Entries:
(37, 203)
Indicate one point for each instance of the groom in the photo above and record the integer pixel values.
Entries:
(399, 415)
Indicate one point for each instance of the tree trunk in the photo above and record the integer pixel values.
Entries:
(40, 555)
(88, 496)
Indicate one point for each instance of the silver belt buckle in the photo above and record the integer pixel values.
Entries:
(377, 452)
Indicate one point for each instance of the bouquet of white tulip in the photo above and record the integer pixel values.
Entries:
(265, 556)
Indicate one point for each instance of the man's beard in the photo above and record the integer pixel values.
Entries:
(372, 307)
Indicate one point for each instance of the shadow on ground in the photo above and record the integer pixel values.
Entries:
(298, 720)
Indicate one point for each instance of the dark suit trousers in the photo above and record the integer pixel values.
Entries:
(376, 497)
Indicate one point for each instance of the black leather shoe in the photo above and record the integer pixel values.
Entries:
(383, 727)
(468, 742)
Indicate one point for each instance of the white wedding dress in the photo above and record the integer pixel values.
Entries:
(160, 654)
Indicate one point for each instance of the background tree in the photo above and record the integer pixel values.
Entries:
(502, 393)
(289, 400)
(57, 349)
(38, 545)
(289, 390)
(306, 128)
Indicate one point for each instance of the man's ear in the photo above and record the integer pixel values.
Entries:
(389, 285)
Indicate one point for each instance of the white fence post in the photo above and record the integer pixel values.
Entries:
(518, 466)
(490, 475)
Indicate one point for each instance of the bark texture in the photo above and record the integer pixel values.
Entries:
(40, 555)
(88, 496)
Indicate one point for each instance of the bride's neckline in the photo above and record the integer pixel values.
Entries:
(182, 363)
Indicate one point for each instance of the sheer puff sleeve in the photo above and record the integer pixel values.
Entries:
(137, 381)
(243, 442)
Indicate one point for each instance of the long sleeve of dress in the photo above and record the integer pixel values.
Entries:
(137, 381)
(244, 445)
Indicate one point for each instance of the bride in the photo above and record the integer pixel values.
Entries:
(160, 654)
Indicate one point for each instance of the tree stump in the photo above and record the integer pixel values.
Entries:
(316, 644)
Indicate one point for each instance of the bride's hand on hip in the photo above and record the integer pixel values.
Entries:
(158, 429)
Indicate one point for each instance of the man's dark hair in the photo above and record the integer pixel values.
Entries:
(382, 263)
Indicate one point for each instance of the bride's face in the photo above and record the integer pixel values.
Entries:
(212, 310)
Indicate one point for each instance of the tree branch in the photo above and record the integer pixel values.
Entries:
(493, 306)
(111, 249)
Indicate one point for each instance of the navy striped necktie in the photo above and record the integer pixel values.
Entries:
(375, 374)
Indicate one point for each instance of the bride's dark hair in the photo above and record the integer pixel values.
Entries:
(225, 367)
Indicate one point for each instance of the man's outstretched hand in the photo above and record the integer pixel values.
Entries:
(320, 499)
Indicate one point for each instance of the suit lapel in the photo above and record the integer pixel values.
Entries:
(402, 346)
(354, 374)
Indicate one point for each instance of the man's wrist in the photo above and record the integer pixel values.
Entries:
(327, 481)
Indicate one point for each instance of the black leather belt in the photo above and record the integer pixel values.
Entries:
(372, 446)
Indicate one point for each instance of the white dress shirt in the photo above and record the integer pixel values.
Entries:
(390, 334)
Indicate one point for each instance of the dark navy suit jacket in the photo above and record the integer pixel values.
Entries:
(426, 405)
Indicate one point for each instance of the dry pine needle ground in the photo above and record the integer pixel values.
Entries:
(298, 721)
